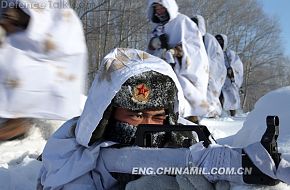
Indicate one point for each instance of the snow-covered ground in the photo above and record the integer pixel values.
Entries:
(19, 167)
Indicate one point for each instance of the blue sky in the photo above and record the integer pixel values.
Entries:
(281, 10)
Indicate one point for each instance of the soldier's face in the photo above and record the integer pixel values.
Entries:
(136, 118)
(220, 41)
(159, 10)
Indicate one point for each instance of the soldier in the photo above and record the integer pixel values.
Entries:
(217, 68)
(42, 64)
(178, 34)
(230, 96)
(97, 149)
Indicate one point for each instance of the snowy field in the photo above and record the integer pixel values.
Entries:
(19, 167)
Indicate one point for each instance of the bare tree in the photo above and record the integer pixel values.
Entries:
(109, 24)
(253, 35)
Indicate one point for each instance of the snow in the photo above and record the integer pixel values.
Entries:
(19, 168)
(18, 165)
(274, 103)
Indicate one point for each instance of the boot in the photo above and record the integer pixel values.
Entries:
(232, 113)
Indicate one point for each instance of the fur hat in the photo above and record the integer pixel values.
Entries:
(148, 90)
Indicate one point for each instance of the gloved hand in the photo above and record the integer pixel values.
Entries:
(164, 39)
(178, 51)
(159, 42)
(154, 43)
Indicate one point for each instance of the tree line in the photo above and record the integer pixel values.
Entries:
(251, 33)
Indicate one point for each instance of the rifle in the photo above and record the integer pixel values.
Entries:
(269, 141)
(230, 72)
(173, 136)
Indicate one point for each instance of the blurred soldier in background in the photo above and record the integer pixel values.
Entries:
(217, 68)
(42, 64)
(230, 97)
(178, 34)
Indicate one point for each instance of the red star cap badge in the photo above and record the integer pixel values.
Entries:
(142, 90)
(141, 93)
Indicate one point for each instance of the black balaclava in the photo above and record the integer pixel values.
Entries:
(146, 91)
(220, 40)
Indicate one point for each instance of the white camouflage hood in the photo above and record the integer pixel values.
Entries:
(201, 24)
(170, 5)
(48, 26)
(116, 68)
(225, 41)
(45, 76)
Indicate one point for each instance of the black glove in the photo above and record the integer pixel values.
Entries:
(230, 74)
(164, 41)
